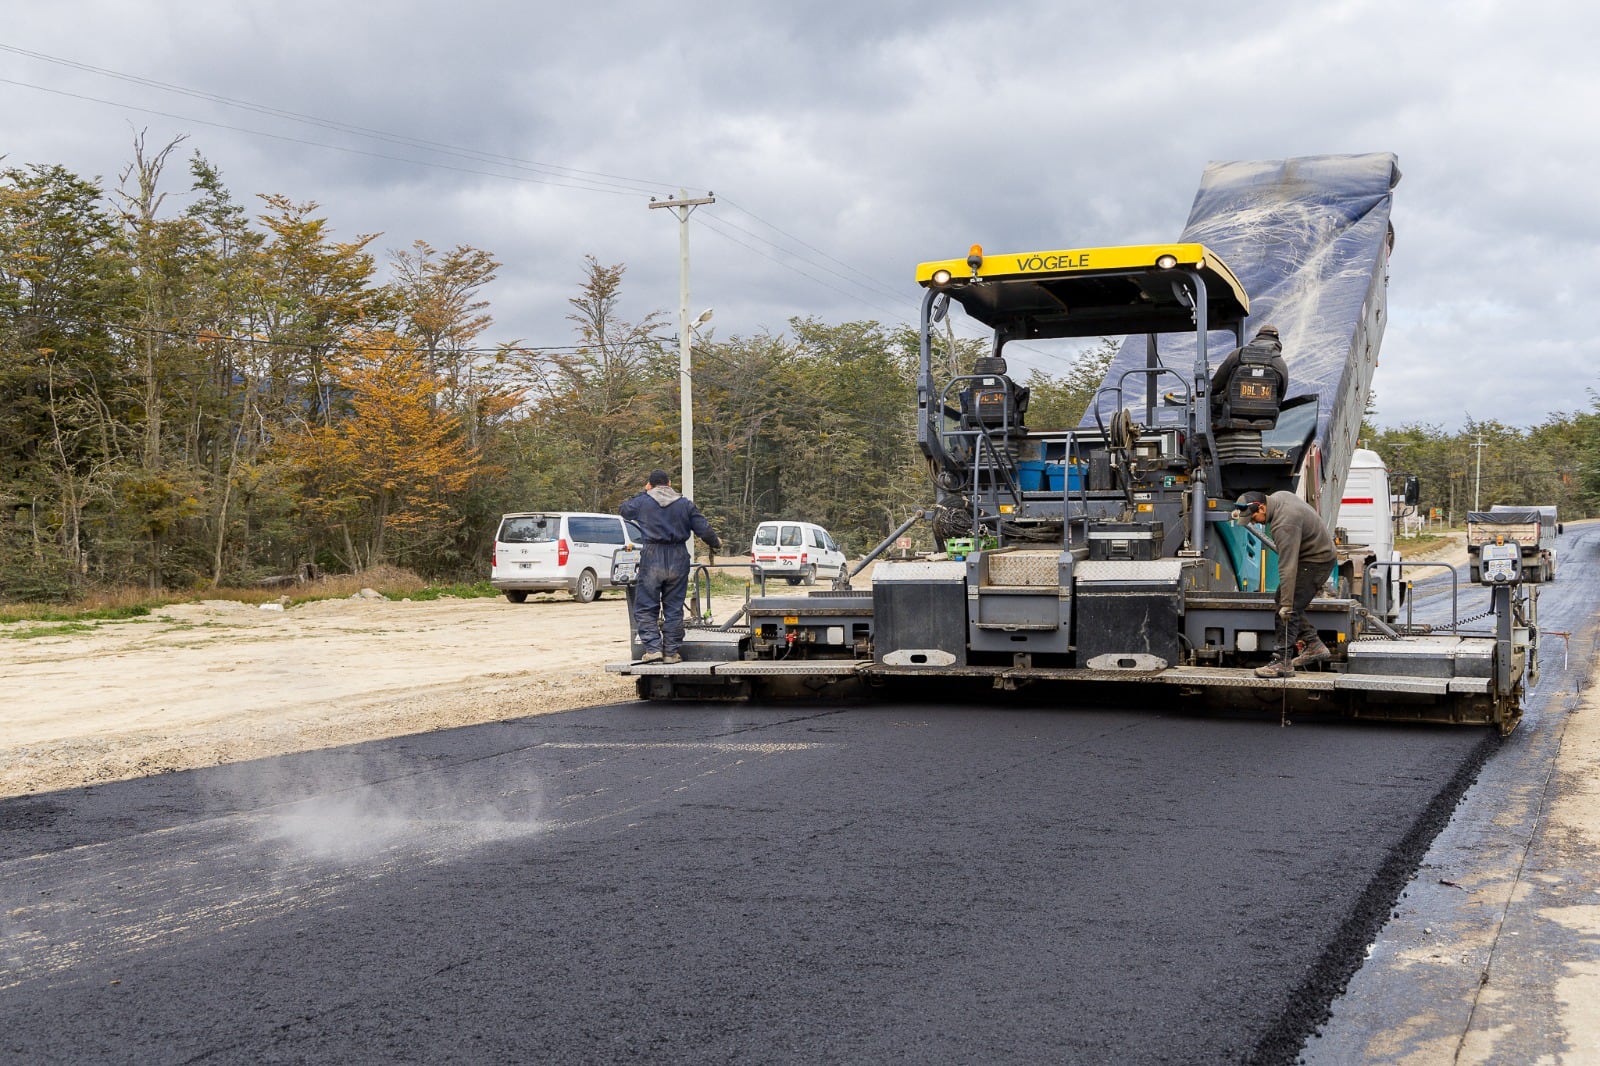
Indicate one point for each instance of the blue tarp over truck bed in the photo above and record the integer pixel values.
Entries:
(1309, 239)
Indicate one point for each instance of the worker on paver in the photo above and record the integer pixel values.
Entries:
(1305, 554)
(666, 519)
(1261, 361)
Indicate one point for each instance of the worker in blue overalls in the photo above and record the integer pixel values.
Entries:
(666, 519)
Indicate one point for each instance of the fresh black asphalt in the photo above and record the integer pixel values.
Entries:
(882, 883)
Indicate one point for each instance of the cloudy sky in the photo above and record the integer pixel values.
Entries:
(846, 142)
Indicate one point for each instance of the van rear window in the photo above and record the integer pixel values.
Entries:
(766, 536)
(791, 537)
(533, 529)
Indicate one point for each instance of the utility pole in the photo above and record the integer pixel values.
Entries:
(685, 205)
(1477, 481)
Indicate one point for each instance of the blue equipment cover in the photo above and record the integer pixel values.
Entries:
(1309, 239)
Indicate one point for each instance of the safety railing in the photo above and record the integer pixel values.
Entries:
(1455, 582)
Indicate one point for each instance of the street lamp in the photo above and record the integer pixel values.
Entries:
(686, 401)
(1477, 480)
(684, 204)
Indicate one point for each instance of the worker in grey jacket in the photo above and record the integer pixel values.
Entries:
(1305, 555)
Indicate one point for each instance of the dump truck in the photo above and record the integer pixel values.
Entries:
(1069, 558)
(1367, 510)
(1532, 529)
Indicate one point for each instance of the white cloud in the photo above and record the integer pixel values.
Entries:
(847, 142)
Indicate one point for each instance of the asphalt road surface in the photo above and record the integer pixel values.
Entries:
(1492, 983)
(915, 882)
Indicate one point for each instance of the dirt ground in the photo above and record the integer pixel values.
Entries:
(220, 681)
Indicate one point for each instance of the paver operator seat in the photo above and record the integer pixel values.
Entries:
(1248, 388)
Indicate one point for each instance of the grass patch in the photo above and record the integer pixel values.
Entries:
(476, 590)
(1420, 544)
(34, 632)
(123, 604)
(121, 612)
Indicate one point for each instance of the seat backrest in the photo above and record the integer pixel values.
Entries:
(1249, 393)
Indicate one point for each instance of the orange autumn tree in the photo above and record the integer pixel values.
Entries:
(384, 478)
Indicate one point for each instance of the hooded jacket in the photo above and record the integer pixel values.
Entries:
(666, 517)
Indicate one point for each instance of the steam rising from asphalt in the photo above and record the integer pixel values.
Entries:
(376, 812)
(282, 835)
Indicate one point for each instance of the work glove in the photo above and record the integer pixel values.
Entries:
(1237, 517)
(1285, 613)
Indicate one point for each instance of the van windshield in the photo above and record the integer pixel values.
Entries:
(529, 529)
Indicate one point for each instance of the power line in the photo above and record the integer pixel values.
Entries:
(638, 186)
(557, 170)
(867, 279)
(321, 144)
(972, 331)
(533, 172)
(789, 265)
(211, 336)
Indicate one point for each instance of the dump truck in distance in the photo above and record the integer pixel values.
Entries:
(1532, 529)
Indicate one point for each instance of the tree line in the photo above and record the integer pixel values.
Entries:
(223, 394)
(217, 395)
(1487, 463)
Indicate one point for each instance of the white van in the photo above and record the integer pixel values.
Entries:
(538, 551)
(798, 552)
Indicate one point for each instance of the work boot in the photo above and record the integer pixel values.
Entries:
(671, 657)
(650, 657)
(1315, 652)
(1275, 669)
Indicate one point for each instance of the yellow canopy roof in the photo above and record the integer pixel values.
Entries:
(1087, 292)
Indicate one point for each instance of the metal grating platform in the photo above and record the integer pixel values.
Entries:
(1034, 568)
(822, 668)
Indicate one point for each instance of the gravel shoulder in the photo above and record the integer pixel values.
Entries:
(219, 681)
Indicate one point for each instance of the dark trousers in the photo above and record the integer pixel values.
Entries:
(658, 596)
(1308, 579)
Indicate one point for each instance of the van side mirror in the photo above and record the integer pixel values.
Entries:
(1413, 490)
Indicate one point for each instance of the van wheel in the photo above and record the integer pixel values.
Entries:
(588, 587)
(517, 595)
(808, 576)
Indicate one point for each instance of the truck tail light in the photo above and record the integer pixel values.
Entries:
(561, 552)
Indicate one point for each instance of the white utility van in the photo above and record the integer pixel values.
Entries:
(798, 552)
(539, 551)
